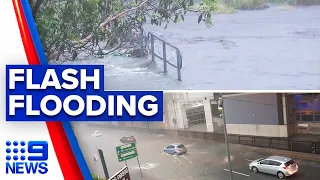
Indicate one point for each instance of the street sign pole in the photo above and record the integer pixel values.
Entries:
(126, 165)
(226, 137)
(139, 165)
(103, 162)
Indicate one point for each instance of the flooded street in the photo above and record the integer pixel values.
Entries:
(205, 159)
(267, 49)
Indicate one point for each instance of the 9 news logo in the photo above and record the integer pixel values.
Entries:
(26, 158)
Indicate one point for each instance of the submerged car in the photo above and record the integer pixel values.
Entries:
(275, 165)
(128, 139)
(176, 148)
(96, 134)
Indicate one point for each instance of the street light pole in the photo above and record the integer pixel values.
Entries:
(221, 106)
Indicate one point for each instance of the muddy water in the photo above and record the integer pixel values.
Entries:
(267, 49)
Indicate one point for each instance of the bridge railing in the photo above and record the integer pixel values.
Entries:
(165, 44)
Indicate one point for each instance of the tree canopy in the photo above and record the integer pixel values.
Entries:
(67, 27)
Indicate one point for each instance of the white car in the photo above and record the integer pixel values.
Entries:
(96, 134)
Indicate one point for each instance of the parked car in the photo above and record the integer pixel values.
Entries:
(96, 134)
(128, 139)
(276, 165)
(176, 148)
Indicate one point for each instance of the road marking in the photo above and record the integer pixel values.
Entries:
(146, 166)
(186, 159)
(248, 160)
(175, 157)
(237, 172)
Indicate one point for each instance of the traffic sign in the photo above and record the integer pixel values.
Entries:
(127, 151)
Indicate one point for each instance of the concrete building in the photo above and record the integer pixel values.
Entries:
(255, 114)
(272, 115)
(192, 111)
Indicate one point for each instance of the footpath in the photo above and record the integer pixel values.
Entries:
(292, 154)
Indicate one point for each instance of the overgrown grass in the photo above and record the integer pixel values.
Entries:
(248, 4)
(230, 6)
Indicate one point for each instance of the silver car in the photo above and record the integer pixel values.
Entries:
(176, 148)
(276, 165)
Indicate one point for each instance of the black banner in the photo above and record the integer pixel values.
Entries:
(123, 174)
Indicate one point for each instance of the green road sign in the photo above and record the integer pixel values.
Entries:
(126, 151)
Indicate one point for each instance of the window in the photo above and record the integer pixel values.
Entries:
(275, 163)
(215, 111)
(289, 163)
(265, 162)
(304, 105)
(171, 146)
(307, 117)
(180, 146)
(307, 107)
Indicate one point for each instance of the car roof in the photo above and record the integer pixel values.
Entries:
(279, 158)
(96, 131)
(176, 144)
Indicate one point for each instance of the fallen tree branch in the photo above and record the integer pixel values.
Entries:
(102, 25)
(109, 20)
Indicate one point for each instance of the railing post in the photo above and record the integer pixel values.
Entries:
(141, 43)
(164, 53)
(314, 147)
(179, 65)
(152, 48)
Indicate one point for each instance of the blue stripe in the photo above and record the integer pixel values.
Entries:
(77, 151)
(34, 32)
(43, 60)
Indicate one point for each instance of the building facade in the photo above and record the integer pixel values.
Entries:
(255, 114)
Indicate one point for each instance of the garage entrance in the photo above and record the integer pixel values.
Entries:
(196, 118)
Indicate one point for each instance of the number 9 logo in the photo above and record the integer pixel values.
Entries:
(38, 147)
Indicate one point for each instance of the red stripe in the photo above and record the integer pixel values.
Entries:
(65, 156)
(25, 34)
(67, 161)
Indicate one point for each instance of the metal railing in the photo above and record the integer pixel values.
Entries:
(178, 66)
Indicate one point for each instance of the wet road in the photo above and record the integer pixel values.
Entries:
(206, 160)
(267, 49)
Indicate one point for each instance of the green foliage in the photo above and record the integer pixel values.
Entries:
(95, 177)
(64, 24)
